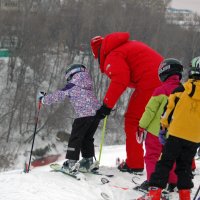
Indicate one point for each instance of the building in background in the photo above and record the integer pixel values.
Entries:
(33, 6)
(8, 5)
(183, 17)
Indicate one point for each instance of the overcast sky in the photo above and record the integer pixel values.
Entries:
(193, 5)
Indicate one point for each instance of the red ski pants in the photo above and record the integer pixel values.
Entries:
(135, 109)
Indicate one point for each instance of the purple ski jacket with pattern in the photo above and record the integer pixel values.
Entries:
(80, 93)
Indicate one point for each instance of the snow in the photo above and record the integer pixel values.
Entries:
(43, 184)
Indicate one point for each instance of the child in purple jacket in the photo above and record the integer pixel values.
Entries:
(79, 91)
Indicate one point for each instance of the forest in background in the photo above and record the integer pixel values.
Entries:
(43, 41)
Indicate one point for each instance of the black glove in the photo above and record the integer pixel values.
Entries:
(103, 112)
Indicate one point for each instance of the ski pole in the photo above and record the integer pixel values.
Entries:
(102, 136)
(35, 129)
(196, 193)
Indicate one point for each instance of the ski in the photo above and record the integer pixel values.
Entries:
(147, 198)
(164, 196)
(105, 181)
(138, 189)
(101, 174)
(58, 168)
(95, 170)
(105, 196)
(78, 175)
(135, 180)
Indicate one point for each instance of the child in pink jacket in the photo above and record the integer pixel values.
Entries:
(170, 74)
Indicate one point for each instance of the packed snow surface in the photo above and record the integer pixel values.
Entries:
(43, 184)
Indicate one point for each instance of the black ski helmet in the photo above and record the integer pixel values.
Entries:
(195, 68)
(73, 69)
(169, 67)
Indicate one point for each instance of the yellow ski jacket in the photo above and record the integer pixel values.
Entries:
(182, 116)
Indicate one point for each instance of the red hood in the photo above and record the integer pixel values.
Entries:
(110, 42)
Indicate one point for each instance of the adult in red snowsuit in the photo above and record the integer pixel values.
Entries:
(128, 64)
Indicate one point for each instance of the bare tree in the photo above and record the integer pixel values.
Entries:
(44, 38)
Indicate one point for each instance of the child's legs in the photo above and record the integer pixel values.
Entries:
(172, 175)
(184, 164)
(153, 151)
(79, 129)
(170, 152)
(87, 148)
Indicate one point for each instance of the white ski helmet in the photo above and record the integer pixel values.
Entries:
(73, 69)
(195, 68)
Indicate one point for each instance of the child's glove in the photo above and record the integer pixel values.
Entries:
(103, 112)
(163, 136)
(41, 95)
(141, 135)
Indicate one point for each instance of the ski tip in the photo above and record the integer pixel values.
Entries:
(110, 175)
(102, 174)
(105, 196)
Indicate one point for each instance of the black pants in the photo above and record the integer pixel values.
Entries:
(180, 151)
(82, 138)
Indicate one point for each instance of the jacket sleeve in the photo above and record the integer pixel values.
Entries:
(58, 95)
(170, 106)
(118, 71)
(55, 97)
(151, 109)
(165, 119)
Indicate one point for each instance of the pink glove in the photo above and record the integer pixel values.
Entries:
(141, 135)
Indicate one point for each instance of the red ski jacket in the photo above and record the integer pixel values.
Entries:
(128, 63)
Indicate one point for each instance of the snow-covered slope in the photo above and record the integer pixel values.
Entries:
(42, 184)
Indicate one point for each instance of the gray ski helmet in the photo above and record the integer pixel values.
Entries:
(195, 67)
(73, 69)
(169, 67)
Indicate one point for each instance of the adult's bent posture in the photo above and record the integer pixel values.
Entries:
(128, 64)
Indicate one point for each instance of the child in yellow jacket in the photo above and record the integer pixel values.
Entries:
(182, 119)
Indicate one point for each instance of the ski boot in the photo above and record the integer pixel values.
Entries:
(143, 187)
(153, 194)
(165, 195)
(87, 165)
(184, 194)
(172, 187)
(123, 167)
(70, 166)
